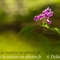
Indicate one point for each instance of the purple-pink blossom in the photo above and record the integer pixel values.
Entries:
(41, 16)
(47, 13)
(49, 21)
(47, 10)
(36, 18)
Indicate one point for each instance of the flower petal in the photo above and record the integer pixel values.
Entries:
(36, 18)
(41, 16)
(49, 21)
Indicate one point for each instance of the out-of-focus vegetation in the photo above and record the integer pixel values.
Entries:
(21, 12)
(15, 14)
(24, 8)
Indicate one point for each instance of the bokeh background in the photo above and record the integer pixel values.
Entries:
(15, 14)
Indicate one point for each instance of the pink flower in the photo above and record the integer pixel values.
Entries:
(41, 16)
(47, 10)
(36, 18)
(46, 13)
(49, 21)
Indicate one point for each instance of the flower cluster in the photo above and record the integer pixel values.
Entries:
(47, 13)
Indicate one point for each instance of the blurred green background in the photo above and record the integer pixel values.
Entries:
(15, 14)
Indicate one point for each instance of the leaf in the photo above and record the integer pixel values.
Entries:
(26, 31)
(45, 25)
(57, 30)
(45, 43)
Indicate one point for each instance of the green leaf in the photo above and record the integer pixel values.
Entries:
(57, 30)
(45, 25)
(26, 31)
(45, 42)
